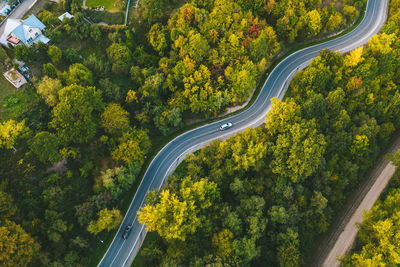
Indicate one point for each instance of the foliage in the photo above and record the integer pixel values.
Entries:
(281, 186)
(48, 88)
(132, 148)
(24, 53)
(75, 117)
(377, 239)
(78, 74)
(115, 119)
(108, 220)
(177, 216)
(17, 247)
(45, 145)
(55, 54)
(10, 131)
(121, 57)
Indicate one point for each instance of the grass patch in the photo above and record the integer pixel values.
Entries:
(6, 88)
(111, 5)
(111, 18)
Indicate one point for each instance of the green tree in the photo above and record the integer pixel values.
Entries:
(95, 32)
(55, 54)
(7, 206)
(121, 57)
(45, 146)
(108, 220)
(152, 10)
(115, 119)
(75, 116)
(50, 70)
(79, 74)
(158, 38)
(24, 53)
(265, 45)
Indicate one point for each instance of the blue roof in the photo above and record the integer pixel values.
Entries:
(34, 22)
(19, 32)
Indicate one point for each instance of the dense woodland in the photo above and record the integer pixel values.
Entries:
(73, 143)
(265, 196)
(377, 242)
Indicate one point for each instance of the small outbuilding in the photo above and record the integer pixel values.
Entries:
(15, 78)
(66, 15)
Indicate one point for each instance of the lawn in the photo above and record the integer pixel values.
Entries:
(108, 4)
(5, 86)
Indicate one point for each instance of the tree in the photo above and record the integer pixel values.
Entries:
(17, 248)
(45, 146)
(198, 47)
(299, 152)
(48, 88)
(175, 216)
(355, 57)
(108, 220)
(55, 225)
(133, 146)
(152, 10)
(75, 116)
(55, 54)
(312, 23)
(48, 18)
(95, 32)
(7, 206)
(334, 22)
(121, 57)
(281, 116)
(158, 38)
(115, 119)
(24, 53)
(265, 45)
(79, 74)
(49, 70)
(10, 131)
(71, 55)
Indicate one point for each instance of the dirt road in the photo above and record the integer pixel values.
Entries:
(344, 232)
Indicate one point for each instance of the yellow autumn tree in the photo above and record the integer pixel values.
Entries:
(177, 215)
(108, 220)
(10, 131)
(17, 248)
(354, 57)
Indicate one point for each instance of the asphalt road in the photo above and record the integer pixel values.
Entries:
(122, 252)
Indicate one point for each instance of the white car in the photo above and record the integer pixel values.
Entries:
(225, 126)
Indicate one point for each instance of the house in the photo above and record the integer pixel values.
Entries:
(26, 32)
(65, 15)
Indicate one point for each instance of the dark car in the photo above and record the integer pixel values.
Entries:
(127, 231)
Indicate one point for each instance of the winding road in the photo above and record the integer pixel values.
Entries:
(122, 252)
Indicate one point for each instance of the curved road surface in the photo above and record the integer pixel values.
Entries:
(122, 252)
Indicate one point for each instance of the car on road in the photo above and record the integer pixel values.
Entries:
(127, 231)
(225, 126)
